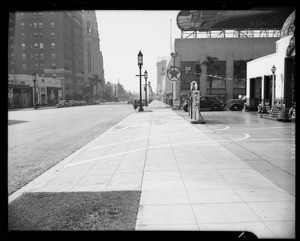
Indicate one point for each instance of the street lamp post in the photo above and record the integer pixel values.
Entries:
(34, 89)
(174, 55)
(146, 77)
(140, 64)
(273, 69)
(150, 91)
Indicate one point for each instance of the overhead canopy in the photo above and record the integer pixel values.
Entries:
(198, 20)
(288, 26)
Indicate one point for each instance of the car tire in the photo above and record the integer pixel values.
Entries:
(186, 108)
(216, 107)
(235, 107)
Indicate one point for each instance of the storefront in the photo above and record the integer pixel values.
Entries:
(271, 79)
(19, 96)
(21, 91)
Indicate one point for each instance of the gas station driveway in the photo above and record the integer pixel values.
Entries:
(232, 173)
(268, 146)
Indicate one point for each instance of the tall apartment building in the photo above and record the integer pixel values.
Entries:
(160, 73)
(49, 44)
(93, 59)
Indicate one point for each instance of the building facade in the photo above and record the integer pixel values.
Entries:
(62, 45)
(219, 44)
(160, 73)
(21, 91)
(264, 87)
(226, 76)
(93, 59)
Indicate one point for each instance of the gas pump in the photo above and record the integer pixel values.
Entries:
(194, 104)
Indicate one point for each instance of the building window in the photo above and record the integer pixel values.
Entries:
(41, 66)
(41, 45)
(22, 35)
(23, 56)
(52, 24)
(40, 25)
(51, 14)
(52, 34)
(30, 25)
(34, 25)
(239, 73)
(36, 66)
(22, 14)
(53, 45)
(53, 55)
(88, 27)
(34, 15)
(35, 35)
(24, 66)
(36, 45)
(40, 14)
(31, 56)
(36, 56)
(53, 66)
(23, 46)
(41, 56)
(41, 35)
(53, 76)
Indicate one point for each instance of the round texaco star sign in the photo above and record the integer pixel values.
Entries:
(174, 74)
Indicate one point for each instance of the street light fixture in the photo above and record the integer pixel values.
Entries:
(273, 69)
(140, 64)
(34, 89)
(146, 77)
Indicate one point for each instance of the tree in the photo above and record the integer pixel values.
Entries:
(209, 63)
(198, 71)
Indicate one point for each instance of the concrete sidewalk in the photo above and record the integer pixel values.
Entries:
(188, 180)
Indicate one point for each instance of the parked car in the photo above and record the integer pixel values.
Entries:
(129, 101)
(62, 103)
(211, 102)
(207, 102)
(72, 103)
(185, 105)
(236, 104)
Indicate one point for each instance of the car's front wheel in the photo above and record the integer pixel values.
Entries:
(216, 107)
(235, 107)
(186, 108)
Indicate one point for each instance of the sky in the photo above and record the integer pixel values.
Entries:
(124, 33)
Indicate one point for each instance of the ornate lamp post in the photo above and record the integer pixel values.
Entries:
(146, 77)
(273, 69)
(140, 64)
(150, 91)
(34, 89)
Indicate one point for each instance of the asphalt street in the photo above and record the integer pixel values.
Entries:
(39, 139)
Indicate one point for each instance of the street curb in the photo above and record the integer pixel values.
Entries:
(55, 169)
